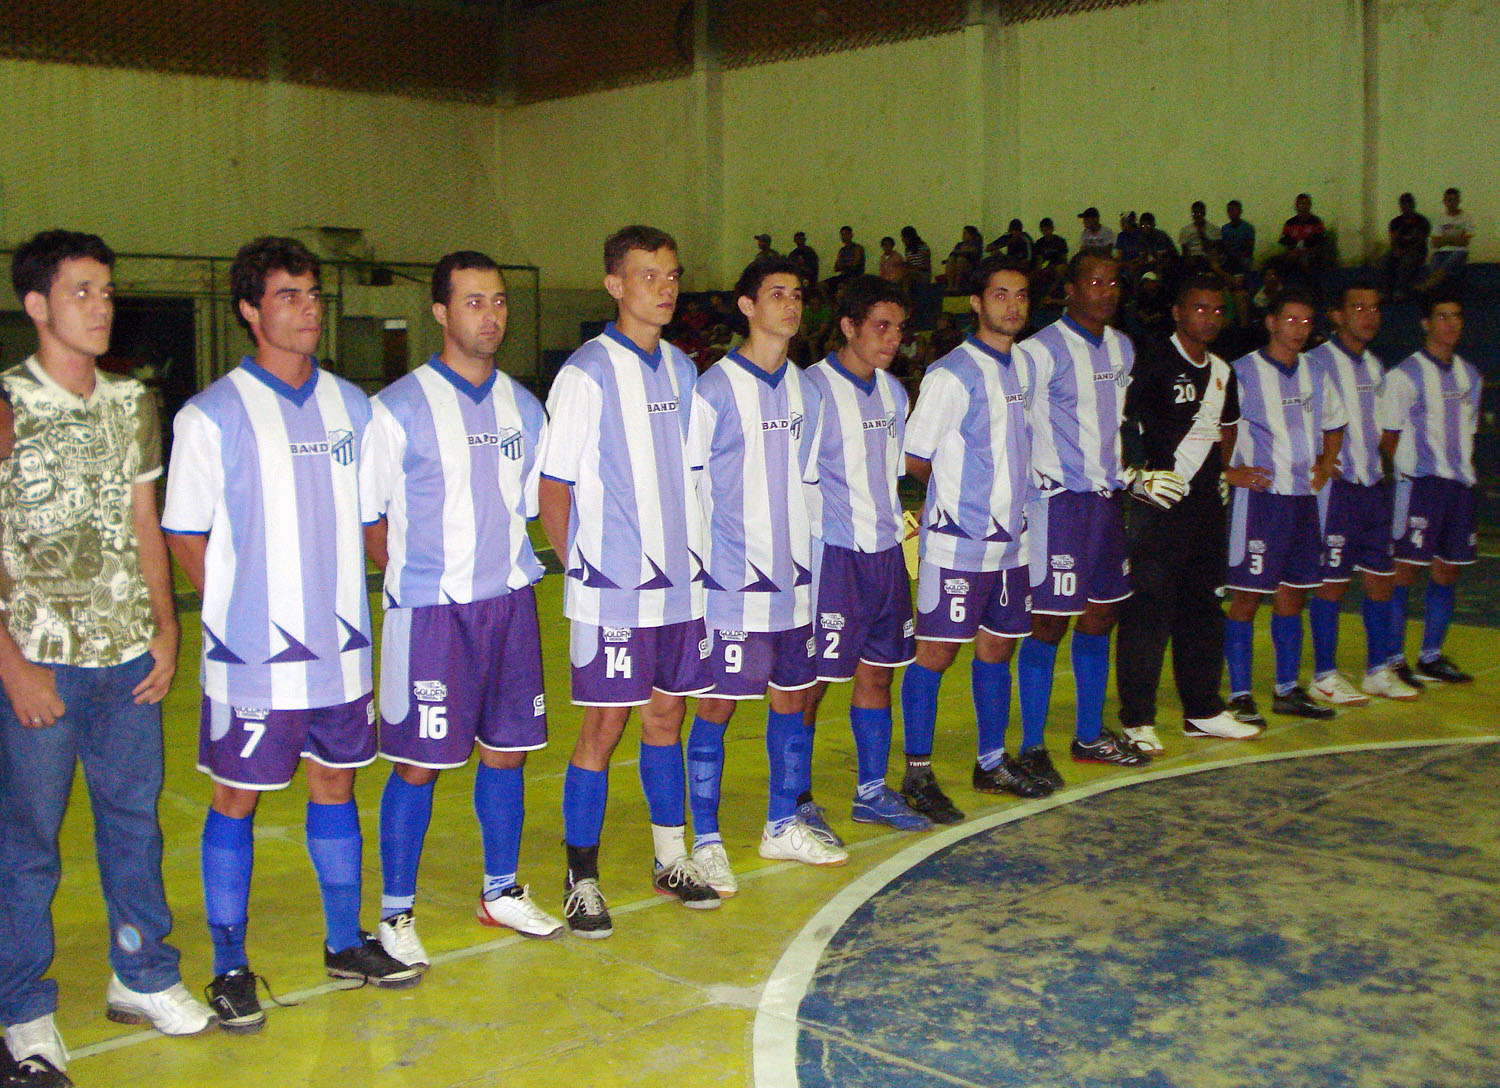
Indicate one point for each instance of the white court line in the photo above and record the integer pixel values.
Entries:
(776, 1020)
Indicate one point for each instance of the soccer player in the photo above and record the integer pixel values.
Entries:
(1182, 398)
(751, 440)
(1354, 510)
(865, 629)
(263, 516)
(87, 652)
(448, 478)
(967, 440)
(1283, 452)
(617, 502)
(1077, 369)
(1429, 415)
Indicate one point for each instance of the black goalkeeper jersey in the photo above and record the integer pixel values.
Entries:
(1178, 408)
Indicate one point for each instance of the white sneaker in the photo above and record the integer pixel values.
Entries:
(1334, 690)
(1222, 724)
(798, 842)
(1144, 737)
(1385, 683)
(713, 862)
(37, 1039)
(172, 1011)
(398, 936)
(514, 909)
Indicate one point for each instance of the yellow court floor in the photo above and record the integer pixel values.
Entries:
(671, 998)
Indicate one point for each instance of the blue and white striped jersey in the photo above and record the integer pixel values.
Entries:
(270, 474)
(1283, 414)
(860, 433)
(752, 441)
(453, 469)
(1435, 406)
(1357, 382)
(617, 432)
(970, 423)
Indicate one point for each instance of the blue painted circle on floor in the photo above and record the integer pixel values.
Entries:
(1318, 922)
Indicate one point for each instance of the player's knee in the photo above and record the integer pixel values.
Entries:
(234, 802)
(500, 761)
(329, 785)
(937, 656)
(413, 775)
(1049, 629)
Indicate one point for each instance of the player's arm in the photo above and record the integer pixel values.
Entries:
(1246, 476)
(918, 468)
(375, 543)
(7, 428)
(1327, 464)
(156, 569)
(556, 500)
(189, 549)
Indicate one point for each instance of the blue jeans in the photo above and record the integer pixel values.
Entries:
(120, 746)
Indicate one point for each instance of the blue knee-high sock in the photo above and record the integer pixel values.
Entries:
(334, 844)
(665, 783)
(1239, 641)
(789, 753)
(1377, 617)
(872, 744)
(228, 856)
(1036, 661)
(705, 775)
(500, 807)
(919, 695)
(585, 794)
(1286, 639)
(405, 812)
(1399, 596)
(990, 682)
(1091, 679)
(1323, 618)
(1438, 609)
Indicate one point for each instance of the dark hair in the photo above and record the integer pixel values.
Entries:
(990, 265)
(846, 227)
(1075, 263)
(1406, 198)
(1046, 222)
(910, 236)
(1235, 204)
(1199, 281)
(34, 265)
(761, 269)
(463, 260)
(1198, 206)
(861, 294)
(258, 259)
(1148, 217)
(1454, 190)
(1433, 299)
(622, 241)
(1016, 224)
(1360, 281)
(1292, 296)
(889, 239)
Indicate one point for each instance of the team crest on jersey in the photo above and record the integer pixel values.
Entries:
(956, 587)
(510, 444)
(796, 425)
(251, 713)
(429, 691)
(732, 636)
(341, 447)
(616, 634)
(1062, 562)
(538, 706)
(831, 621)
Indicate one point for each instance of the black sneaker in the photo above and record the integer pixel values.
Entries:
(369, 963)
(232, 998)
(1110, 748)
(1244, 710)
(1443, 671)
(924, 795)
(1405, 674)
(1297, 704)
(1036, 761)
(683, 881)
(33, 1072)
(1009, 777)
(585, 910)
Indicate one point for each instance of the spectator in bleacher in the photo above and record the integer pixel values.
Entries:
(1049, 256)
(1408, 253)
(806, 257)
(1237, 237)
(892, 264)
(763, 246)
(1200, 237)
(918, 256)
(1450, 241)
(848, 261)
(962, 259)
(1157, 248)
(1095, 236)
(1305, 239)
(1148, 315)
(1128, 247)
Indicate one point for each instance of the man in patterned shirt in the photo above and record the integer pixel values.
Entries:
(87, 652)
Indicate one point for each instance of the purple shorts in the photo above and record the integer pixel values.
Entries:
(1273, 540)
(1434, 519)
(1077, 551)
(434, 701)
(745, 663)
(256, 749)
(953, 605)
(864, 611)
(1356, 529)
(620, 666)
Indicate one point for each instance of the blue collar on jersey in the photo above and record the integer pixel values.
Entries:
(1286, 370)
(1081, 331)
(1001, 357)
(1434, 360)
(772, 379)
(650, 358)
(1338, 346)
(840, 368)
(296, 394)
(476, 393)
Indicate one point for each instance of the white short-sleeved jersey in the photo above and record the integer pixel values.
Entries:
(1357, 382)
(860, 434)
(617, 433)
(751, 441)
(270, 474)
(1435, 406)
(452, 467)
(1283, 414)
(970, 423)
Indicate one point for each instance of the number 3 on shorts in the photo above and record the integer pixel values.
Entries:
(1257, 562)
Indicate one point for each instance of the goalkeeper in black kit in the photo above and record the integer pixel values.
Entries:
(1181, 396)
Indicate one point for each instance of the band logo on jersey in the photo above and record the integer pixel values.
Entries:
(339, 444)
(429, 691)
(658, 406)
(889, 423)
(510, 442)
(776, 425)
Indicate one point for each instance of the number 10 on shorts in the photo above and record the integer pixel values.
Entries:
(1064, 583)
